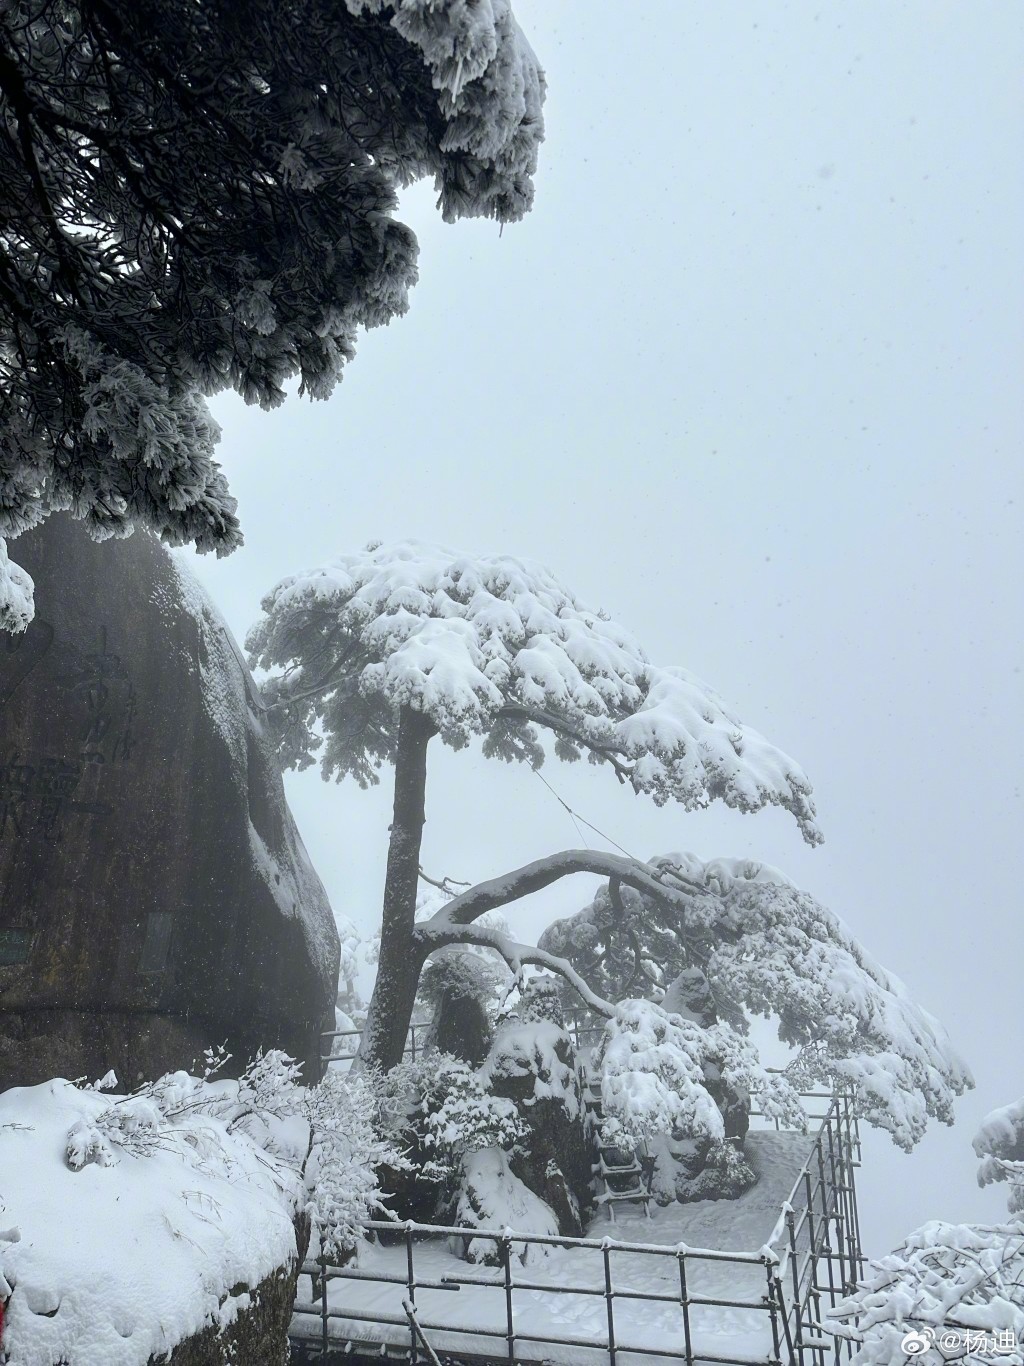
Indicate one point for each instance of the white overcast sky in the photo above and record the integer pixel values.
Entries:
(748, 378)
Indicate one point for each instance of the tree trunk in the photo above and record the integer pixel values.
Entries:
(401, 955)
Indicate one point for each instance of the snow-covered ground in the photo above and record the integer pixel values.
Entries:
(743, 1225)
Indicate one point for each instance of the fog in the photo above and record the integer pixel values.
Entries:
(748, 378)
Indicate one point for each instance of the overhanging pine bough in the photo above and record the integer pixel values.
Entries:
(385, 649)
(744, 941)
(196, 197)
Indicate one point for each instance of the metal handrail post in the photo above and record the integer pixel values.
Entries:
(826, 1224)
(325, 1321)
(795, 1276)
(774, 1303)
(411, 1284)
(811, 1295)
(853, 1225)
(510, 1331)
(684, 1300)
(836, 1167)
(606, 1253)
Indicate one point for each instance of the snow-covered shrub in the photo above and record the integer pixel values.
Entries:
(458, 1116)
(461, 972)
(328, 1138)
(345, 1045)
(461, 989)
(945, 1282)
(1000, 1145)
(655, 1070)
(541, 1000)
(353, 953)
(347, 1151)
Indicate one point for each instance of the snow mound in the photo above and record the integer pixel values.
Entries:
(493, 1197)
(121, 1259)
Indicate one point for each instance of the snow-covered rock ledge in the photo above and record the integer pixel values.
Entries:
(167, 1226)
(125, 1258)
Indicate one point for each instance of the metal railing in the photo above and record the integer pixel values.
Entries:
(510, 1339)
(410, 1051)
(818, 1233)
(816, 1245)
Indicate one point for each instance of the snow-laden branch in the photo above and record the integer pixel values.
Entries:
(243, 245)
(535, 716)
(1000, 1144)
(764, 947)
(516, 955)
(534, 877)
(955, 1284)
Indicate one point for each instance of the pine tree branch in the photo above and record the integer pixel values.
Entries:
(534, 877)
(516, 955)
(610, 753)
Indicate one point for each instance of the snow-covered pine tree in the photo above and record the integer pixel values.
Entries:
(200, 197)
(956, 1287)
(1000, 1145)
(745, 941)
(379, 652)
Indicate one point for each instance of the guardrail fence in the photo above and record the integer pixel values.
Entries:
(413, 1046)
(513, 1344)
(819, 1234)
(812, 1259)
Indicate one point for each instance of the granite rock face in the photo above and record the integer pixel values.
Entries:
(155, 895)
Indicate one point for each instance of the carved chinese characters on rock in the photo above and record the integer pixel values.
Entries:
(40, 792)
(100, 692)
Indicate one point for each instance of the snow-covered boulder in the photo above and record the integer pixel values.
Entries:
(155, 896)
(533, 1063)
(185, 1242)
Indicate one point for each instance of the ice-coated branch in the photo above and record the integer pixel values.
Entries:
(534, 877)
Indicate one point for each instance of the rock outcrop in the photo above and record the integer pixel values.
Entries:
(256, 1331)
(155, 896)
(533, 1064)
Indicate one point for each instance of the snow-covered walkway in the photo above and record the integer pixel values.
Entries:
(574, 1326)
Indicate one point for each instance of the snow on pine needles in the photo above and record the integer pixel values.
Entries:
(497, 648)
